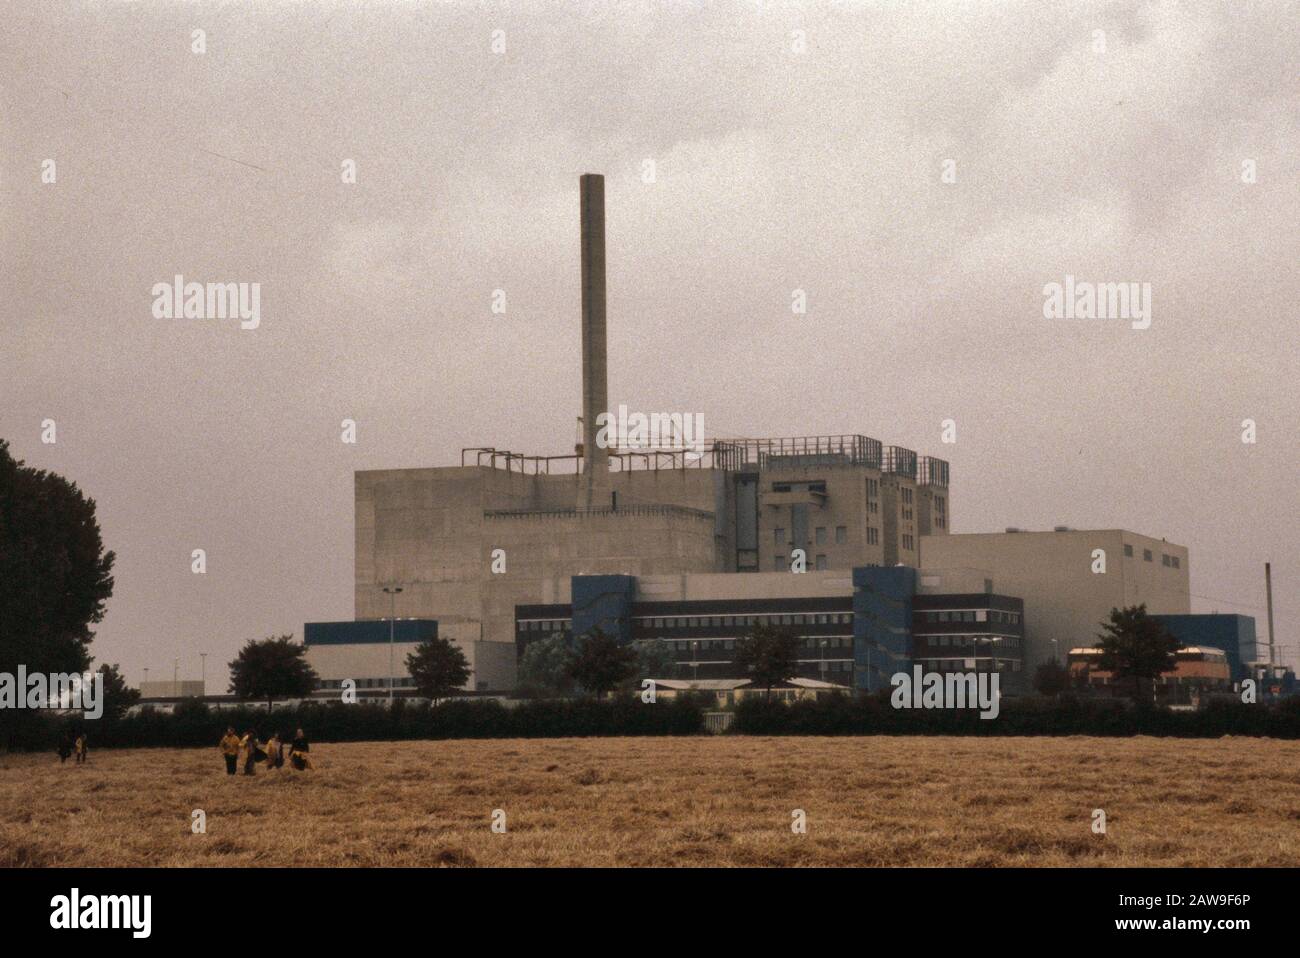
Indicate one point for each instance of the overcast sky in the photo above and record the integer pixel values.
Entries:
(794, 147)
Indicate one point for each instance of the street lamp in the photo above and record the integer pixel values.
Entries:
(822, 667)
(392, 597)
(203, 671)
(695, 661)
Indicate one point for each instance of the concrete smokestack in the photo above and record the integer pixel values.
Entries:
(595, 387)
(1268, 589)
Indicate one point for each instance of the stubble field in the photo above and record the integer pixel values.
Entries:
(872, 801)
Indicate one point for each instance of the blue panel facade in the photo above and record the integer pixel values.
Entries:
(604, 602)
(366, 633)
(1234, 634)
(882, 624)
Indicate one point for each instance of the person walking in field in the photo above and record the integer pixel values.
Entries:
(79, 747)
(298, 756)
(230, 749)
(251, 749)
(275, 752)
(65, 747)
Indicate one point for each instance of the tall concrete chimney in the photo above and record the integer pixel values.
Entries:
(595, 388)
(1268, 589)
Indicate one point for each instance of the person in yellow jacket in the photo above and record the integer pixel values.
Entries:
(230, 749)
(251, 750)
(79, 749)
(274, 752)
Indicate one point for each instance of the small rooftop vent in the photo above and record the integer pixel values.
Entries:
(1061, 529)
(1013, 529)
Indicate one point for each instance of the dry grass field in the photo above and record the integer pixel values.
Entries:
(708, 801)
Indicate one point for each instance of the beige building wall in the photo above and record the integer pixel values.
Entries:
(1053, 573)
(492, 664)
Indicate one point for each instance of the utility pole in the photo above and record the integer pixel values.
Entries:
(203, 671)
(392, 597)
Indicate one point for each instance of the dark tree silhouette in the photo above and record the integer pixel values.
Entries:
(601, 664)
(118, 696)
(438, 667)
(770, 655)
(55, 576)
(1134, 645)
(271, 668)
(1050, 678)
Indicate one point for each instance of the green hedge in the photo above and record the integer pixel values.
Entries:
(842, 715)
(193, 724)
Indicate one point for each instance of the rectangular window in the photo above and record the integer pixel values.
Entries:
(779, 536)
(841, 535)
(1146, 555)
(778, 563)
(873, 536)
(822, 565)
(1175, 560)
(1128, 550)
(821, 535)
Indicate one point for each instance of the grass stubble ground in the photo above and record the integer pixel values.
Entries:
(869, 801)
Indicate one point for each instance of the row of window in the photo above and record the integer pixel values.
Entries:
(545, 625)
(717, 621)
(972, 615)
(726, 645)
(1007, 642)
(1172, 562)
(821, 535)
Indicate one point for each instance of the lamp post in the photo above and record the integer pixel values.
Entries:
(176, 677)
(146, 676)
(822, 667)
(392, 607)
(203, 671)
(695, 661)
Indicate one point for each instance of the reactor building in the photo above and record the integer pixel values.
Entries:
(468, 544)
(695, 543)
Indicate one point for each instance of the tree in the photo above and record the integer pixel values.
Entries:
(272, 667)
(1134, 645)
(55, 576)
(1050, 678)
(654, 660)
(438, 666)
(601, 663)
(770, 655)
(544, 667)
(118, 696)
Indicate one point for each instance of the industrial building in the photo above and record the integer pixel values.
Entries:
(855, 628)
(467, 544)
(841, 538)
(1059, 575)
